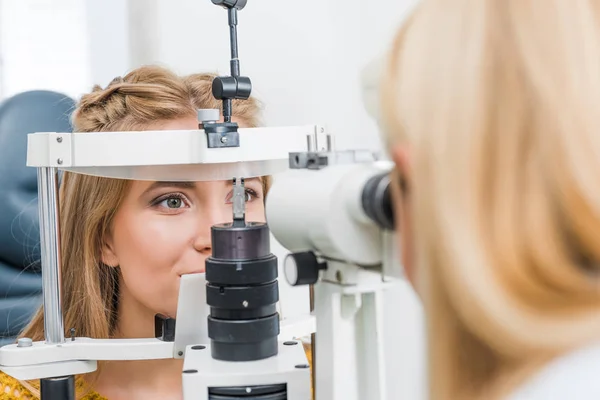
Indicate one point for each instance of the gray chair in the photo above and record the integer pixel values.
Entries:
(20, 273)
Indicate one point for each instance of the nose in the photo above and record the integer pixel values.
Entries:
(207, 219)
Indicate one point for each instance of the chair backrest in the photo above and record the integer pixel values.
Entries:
(20, 273)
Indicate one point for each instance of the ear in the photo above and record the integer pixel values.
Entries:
(400, 190)
(400, 154)
(109, 256)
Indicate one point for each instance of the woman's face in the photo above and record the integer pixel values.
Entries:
(163, 230)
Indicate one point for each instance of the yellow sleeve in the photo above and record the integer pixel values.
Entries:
(13, 389)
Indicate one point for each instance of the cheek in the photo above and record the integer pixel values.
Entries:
(255, 211)
(149, 248)
(151, 241)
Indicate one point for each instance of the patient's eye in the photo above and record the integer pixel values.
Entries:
(250, 195)
(171, 202)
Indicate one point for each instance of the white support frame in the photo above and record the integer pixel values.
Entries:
(350, 359)
(202, 372)
(153, 155)
(171, 155)
(79, 355)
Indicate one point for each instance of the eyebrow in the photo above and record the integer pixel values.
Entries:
(163, 184)
(186, 184)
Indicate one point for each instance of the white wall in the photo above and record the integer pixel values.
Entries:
(108, 34)
(43, 45)
(62, 45)
(304, 58)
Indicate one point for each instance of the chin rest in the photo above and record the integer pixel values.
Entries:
(20, 272)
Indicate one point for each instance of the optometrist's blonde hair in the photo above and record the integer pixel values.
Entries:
(497, 102)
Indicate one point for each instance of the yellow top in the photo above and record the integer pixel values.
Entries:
(12, 389)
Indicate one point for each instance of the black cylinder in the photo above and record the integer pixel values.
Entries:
(237, 4)
(242, 293)
(377, 201)
(242, 273)
(61, 388)
(246, 243)
(224, 87)
(263, 392)
(244, 87)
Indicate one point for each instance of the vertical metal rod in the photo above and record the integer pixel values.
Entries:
(311, 142)
(330, 143)
(239, 202)
(227, 111)
(233, 42)
(50, 252)
(61, 388)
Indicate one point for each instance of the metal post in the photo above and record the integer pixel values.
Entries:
(61, 388)
(50, 252)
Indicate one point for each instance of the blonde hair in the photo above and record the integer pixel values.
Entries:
(497, 101)
(144, 97)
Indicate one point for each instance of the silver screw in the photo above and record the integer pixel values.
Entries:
(59, 139)
(59, 161)
(24, 342)
(245, 304)
(224, 139)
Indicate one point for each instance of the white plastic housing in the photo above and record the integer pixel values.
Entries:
(320, 210)
(202, 372)
(181, 155)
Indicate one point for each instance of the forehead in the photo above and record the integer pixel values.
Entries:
(189, 123)
(179, 124)
(208, 187)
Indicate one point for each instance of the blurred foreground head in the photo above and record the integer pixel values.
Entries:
(490, 109)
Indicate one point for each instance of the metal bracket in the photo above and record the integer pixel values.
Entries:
(60, 150)
(318, 160)
(221, 135)
(308, 160)
(320, 140)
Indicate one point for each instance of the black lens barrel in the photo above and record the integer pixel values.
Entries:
(242, 293)
(377, 201)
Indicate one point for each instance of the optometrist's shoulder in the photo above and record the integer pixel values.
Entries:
(571, 376)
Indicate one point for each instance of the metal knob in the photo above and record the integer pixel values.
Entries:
(237, 4)
(302, 268)
(24, 342)
(209, 115)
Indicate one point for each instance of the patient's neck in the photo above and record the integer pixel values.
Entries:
(145, 379)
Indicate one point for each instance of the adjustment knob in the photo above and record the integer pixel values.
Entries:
(237, 4)
(209, 115)
(302, 268)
